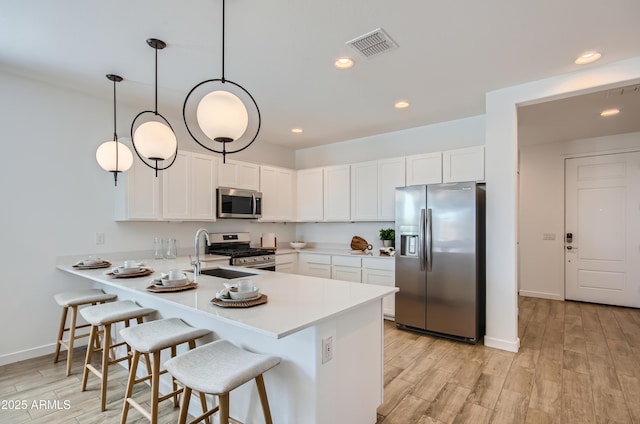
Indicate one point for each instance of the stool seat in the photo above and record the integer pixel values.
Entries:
(218, 367)
(71, 301)
(161, 334)
(114, 312)
(81, 297)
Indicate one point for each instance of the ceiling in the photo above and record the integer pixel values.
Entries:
(449, 54)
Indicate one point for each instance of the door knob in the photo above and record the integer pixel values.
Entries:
(572, 248)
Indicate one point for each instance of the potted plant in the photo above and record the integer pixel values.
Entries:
(388, 236)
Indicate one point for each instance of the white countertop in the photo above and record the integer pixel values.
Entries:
(295, 302)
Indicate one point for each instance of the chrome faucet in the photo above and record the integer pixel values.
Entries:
(196, 263)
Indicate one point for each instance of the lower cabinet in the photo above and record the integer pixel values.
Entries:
(314, 265)
(381, 272)
(346, 268)
(287, 263)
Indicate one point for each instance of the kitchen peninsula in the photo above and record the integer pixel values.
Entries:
(300, 314)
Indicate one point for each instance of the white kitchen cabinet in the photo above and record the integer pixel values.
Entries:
(391, 174)
(346, 268)
(287, 263)
(188, 188)
(381, 272)
(463, 164)
(364, 191)
(309, 198)
(237, 174)
(314, 265)
(424, 169)
(337, 193)
(278, 193)
(138, 195)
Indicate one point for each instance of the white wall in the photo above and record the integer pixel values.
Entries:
(501, 178)
(542, 208)
(338, 235)
(56, 197)
(431, 138)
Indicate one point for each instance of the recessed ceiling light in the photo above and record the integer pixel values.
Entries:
(587, 57)
(344, 63)
(609, 112)
(296, 130)
(402, 104)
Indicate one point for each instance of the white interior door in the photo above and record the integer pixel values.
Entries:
(602, 214)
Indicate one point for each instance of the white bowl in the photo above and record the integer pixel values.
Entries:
(236, 295)
(123, 271)
(92, 261)
(297, 244)
(174, 283)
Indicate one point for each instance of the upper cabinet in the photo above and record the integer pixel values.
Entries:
(278, 189)
(237, 174)
(337, 193)
(373, 187)
(138, 194)
(310, 198)
(188, 188)
(463, 164)
(424, 169)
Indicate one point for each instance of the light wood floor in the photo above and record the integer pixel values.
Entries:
(578, 363)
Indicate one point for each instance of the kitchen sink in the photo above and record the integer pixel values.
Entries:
(226, 273)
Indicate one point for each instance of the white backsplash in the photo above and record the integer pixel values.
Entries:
(338, 235)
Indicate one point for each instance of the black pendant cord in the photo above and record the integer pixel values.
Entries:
(115, 79)
(222, 80)
(155, 110)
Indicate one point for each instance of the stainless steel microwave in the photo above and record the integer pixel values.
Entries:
(238, 203)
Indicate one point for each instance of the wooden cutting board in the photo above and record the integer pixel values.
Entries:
(358, 243)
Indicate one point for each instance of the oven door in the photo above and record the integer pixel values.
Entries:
(237, 203)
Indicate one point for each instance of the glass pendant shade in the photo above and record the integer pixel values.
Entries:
(222, 115)
(107, 153)
(155, 140)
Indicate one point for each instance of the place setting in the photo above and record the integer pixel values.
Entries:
(173, 281)
(130, 269)
(242, 294)
(92, 262)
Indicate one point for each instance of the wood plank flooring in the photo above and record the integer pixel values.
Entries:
(578, 363)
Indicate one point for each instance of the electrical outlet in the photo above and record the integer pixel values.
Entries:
(99, 238)
(327, 349)
(549, 236)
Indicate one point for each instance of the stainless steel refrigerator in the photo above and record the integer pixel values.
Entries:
(440, 259)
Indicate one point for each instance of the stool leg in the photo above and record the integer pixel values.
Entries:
(130, 384)
(223, 402)
(262, 392)
(72, 337)
(63, 321)
(174, 386)
(184, 407)
(155, 387)
(105, 366)
(92, 340)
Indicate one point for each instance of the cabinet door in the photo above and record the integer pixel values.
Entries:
(287, 263)
(346, 273)
(309, 197)
(364, 191)
(237, 174)
(314, 265)
(203, 187)
(424, 169)
(382, 278)
(277, 187)
(138, 194)
(337, 193)
(391, 174)
(463, 165)
(175, 188)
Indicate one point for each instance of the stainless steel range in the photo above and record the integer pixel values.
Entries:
(237, 247)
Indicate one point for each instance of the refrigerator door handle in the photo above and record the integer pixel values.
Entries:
(429, 236)
(421, 236)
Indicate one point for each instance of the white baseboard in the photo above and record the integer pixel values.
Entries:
(510, 346)
(541, 295)
(23, 355)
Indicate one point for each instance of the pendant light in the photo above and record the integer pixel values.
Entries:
(219, 108)
(154, 140)
(113, 156)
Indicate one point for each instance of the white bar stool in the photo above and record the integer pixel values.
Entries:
(106, 315)
(217, 368)
(72, 300)
(151, 338)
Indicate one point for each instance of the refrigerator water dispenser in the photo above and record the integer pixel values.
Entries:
(409, 245)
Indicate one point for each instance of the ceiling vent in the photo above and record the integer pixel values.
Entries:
(373, 43)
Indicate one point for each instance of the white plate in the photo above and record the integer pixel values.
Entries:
(240, 300)
(124, 271)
